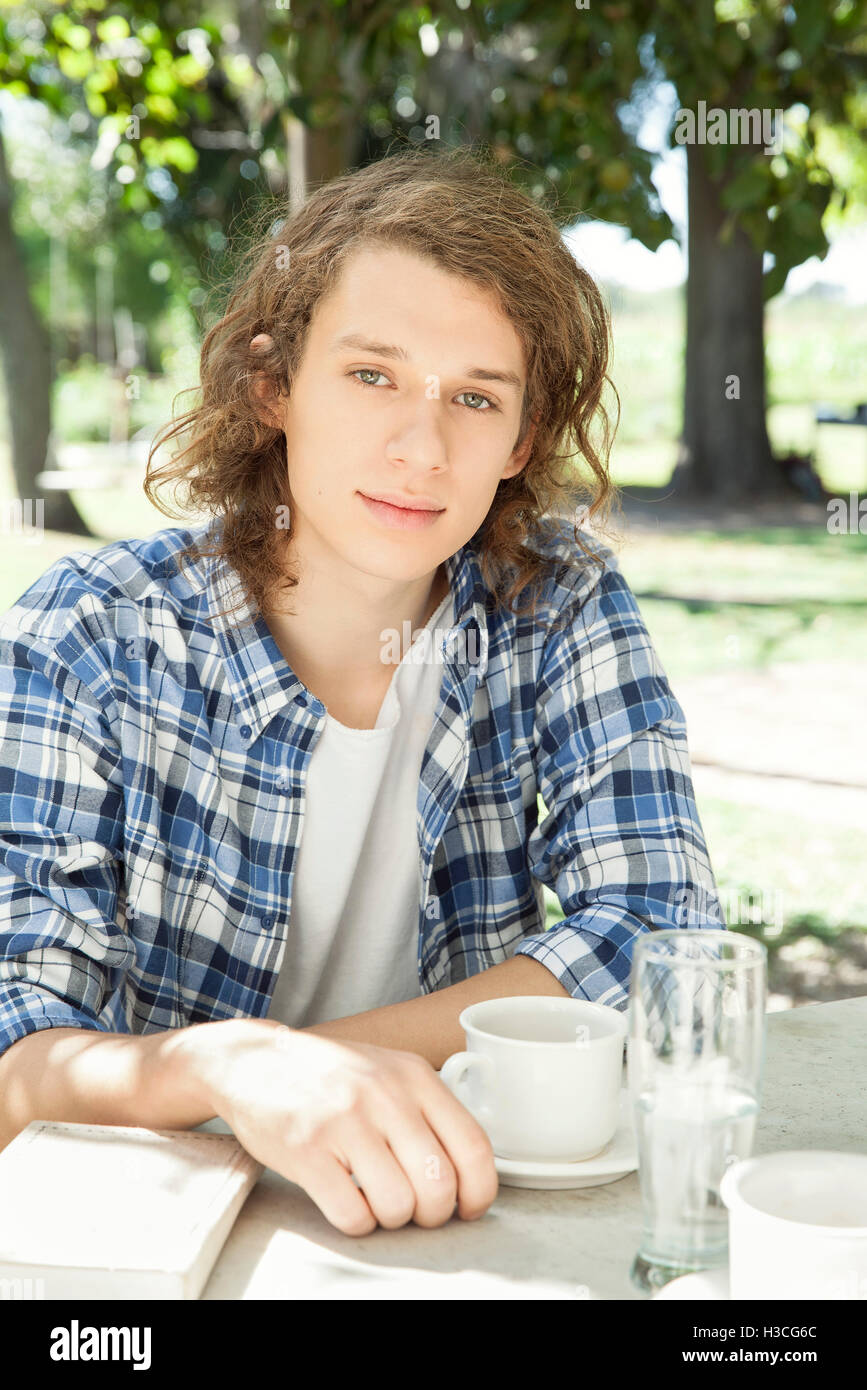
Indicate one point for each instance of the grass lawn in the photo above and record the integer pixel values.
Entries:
(817, 583)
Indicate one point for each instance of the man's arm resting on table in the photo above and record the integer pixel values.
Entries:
(87, 1076)
(429, 1025)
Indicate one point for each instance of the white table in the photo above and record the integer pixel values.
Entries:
(537, 1244)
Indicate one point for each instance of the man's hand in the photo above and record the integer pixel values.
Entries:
(318, 1110)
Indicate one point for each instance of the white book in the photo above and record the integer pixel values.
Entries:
(115, 1211)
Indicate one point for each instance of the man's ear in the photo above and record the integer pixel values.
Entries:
(262, 387)
(521, 453)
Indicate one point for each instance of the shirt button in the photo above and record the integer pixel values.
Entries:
(301, 700)
(244, 731)
(267, 922)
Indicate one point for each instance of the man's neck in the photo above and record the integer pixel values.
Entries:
(339, 618)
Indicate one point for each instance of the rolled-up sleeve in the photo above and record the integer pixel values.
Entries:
(622, 845)
(62, 951)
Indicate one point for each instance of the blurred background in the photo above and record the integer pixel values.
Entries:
(707, 163)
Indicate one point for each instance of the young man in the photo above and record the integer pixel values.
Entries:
(257, 870)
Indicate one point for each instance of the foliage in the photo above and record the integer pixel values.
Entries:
(187, 104)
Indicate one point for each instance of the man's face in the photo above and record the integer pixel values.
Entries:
(425, 427)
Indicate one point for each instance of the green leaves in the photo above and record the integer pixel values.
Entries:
(813, 19)
(113, 28)
(175, 151)
(71, 35)
(74, 63)
(751, 185)
(558, 87)
(797, 233)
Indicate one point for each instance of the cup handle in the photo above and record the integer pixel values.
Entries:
(454, 1073)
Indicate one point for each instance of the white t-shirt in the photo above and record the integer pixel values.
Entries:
(353, 926)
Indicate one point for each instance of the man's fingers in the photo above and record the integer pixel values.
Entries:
(329, 1184)
(466, 1144)
(423, 1162)
(388, 1186)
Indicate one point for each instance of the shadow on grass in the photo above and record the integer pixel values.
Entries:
(805, 530)
(811, 962)
(809, 535)
(806, 608)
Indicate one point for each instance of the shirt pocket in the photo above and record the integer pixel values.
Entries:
(495, 805)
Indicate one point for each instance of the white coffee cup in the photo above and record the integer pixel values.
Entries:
(797, 1225)
(541, 1075)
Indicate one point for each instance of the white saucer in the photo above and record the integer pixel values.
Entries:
(705, 1283)
(619, 1157)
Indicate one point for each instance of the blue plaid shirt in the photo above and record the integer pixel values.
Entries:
(152, 769)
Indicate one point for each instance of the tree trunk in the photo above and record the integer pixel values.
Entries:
(724, 449)
(326, 67)
(26, 353)
(328, 152)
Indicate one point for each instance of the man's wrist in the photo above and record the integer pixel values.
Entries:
(198, 1059)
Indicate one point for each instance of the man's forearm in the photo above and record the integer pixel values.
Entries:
(86, 1076)
(429, 1025)
(170, 1080)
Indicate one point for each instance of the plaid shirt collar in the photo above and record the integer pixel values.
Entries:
(261, 681)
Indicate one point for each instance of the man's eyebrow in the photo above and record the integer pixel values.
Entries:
(358, 340)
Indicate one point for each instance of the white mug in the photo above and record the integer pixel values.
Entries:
(541, 1075)
(797, 1225)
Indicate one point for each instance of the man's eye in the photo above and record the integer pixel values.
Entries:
(369, 371)
(474, 409)
(488, 402)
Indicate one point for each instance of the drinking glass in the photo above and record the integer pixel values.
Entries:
(695, 1060)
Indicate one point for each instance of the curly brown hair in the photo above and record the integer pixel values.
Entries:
(459, 209)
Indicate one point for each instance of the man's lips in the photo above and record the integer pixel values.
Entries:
(403, 518)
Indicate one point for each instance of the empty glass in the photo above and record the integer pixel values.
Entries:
(695, 1059)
